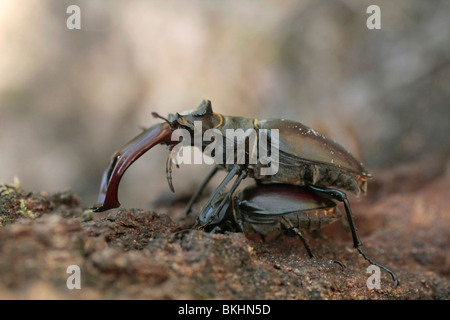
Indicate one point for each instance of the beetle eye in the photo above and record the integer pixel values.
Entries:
(183, 122)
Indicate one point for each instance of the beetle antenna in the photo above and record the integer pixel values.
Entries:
(156, 115)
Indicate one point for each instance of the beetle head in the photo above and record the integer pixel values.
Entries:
(187, 119)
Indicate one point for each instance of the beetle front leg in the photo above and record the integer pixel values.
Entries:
(219, 189)
(242, 175)
(341, 196)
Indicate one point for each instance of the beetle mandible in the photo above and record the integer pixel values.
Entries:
(306, 158)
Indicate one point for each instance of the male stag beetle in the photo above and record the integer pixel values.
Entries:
(299, 156)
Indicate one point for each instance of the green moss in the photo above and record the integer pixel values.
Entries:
(25, 211)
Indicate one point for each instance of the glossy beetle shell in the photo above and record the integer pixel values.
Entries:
(260, 208)
(318, 160)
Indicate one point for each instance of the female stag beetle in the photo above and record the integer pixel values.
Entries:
(304, 157)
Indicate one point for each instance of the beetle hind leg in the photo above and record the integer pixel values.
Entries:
(393, 275)
(341, 196)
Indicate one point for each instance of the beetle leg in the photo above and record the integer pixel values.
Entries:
(235, 201)
(218, 192)
(216, 229)
(233, 188)
(288, 225)
(216, 195)
(200, 189)
(341, 196)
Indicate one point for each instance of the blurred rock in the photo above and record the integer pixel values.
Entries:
(69, 98)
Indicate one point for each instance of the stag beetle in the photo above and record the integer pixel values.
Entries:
(305, 158)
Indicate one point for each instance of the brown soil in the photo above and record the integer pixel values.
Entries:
(134, 253)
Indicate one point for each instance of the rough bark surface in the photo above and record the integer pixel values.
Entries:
(134, 253)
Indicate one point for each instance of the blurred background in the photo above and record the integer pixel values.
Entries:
(70, 98)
